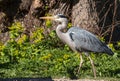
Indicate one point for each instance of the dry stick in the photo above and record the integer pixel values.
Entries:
(64, 7)
(115, 8)
(102, 26)
(104, 17)
(103, 7)
(108, 30)
(117, 23)
(57, 4)
(106, 12)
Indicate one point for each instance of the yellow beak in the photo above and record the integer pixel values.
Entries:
(51, 18)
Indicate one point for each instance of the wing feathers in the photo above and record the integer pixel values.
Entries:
(86, 41)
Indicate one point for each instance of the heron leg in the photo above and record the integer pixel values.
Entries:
(81, 62)
(93, 67)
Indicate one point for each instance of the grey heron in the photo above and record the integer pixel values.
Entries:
(79, 39)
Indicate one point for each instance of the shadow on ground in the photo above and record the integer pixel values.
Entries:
(27, 79)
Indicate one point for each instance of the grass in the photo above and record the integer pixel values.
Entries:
(45, 56)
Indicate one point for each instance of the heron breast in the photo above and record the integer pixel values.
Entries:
(70, 42)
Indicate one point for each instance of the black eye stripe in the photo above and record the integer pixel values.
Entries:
(62, 16)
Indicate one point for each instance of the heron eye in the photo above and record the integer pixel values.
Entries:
(56, 16)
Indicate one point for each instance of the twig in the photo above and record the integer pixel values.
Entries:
(115, 8)
(104, 17)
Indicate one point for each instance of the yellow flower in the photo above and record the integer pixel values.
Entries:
(118, 43)
(1, 46)
(46, 57)
(49, 55)
(48, 23)
(59, 59)
(16, 53)
(22, 39)
(37, 35)
(110, 45)
(69, 25)
(66, 56)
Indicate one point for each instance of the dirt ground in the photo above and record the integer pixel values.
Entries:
(49, 79)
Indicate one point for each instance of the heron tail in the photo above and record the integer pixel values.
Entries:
(109, 51)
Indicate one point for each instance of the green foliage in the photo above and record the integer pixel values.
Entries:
(16, 30)
(48, 23)
(46, 56)
(37, 35)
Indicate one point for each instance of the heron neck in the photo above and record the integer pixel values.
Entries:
(61, 26)
(59, 30)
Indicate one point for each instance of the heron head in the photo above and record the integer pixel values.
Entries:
(58, 18)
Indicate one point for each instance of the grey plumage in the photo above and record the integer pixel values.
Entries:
(79, 40)
(87, 42)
